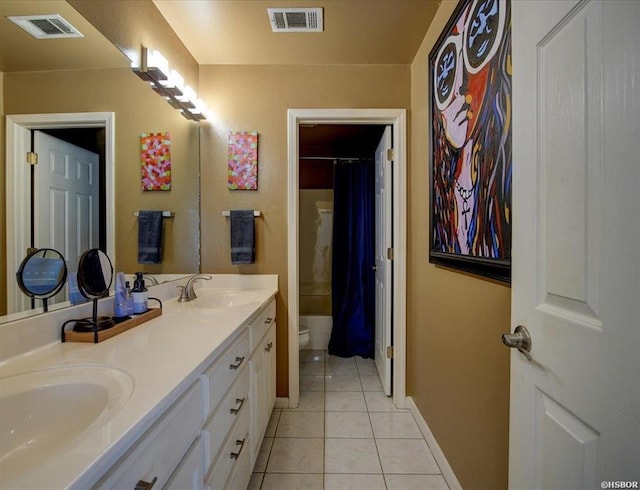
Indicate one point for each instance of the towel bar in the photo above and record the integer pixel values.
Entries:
(165, 214)
(228, 213)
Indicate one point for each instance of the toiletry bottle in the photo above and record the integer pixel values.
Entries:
(129, 298)
(139, 293)
(120, 309)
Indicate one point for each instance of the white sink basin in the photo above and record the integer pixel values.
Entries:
(211, 298)
(45, 412)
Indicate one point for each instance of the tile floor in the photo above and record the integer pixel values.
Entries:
(345, 434)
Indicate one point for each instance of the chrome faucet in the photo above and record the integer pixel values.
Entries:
(151, 279)
(187, 293)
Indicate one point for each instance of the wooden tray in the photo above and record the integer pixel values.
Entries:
(134, 321)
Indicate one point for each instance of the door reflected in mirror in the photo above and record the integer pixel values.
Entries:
(42, 275)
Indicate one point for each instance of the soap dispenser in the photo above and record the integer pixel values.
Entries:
(140, 294)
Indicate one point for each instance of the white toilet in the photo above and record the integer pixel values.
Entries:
(303, 335)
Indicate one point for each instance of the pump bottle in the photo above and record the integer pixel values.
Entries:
(140, 295)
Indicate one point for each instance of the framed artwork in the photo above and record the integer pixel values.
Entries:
(470, 125)
(155, 161)
(243, 160)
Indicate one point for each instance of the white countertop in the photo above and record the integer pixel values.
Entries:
(162, 356)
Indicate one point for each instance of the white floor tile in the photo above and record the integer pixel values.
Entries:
(416, 482)
(344, 361)
(353, 482)
(263, 455)
(342, 383)
(406, 456)
(377, 401)
(311, 382)
(270, 431)
(368, 369)
(310, 401)
(351, 456)
(371, 383)
(348, 425)
(284, 481)
(300, 424)
(342, 369)
(291, 455)
(394, 425)
(312, 355)
(345, 401)
(311, 367)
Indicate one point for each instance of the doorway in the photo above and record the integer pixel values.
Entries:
(396, 119)
(18, 138)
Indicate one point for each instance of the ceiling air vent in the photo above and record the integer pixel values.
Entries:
(296, 19)
(48, 26)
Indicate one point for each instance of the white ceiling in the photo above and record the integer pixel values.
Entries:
(355, 31)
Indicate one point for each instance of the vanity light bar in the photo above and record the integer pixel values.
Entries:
(154, 68)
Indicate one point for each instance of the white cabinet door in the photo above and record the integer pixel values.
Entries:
(257, 399)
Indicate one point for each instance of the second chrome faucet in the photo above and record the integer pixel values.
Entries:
(187, 292)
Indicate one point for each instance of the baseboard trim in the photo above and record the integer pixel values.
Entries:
(445, 467)
(281, 402)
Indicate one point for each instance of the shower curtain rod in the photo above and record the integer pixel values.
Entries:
(336, 158)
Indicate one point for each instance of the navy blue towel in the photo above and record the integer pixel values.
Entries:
(242, 236)
(149, 237)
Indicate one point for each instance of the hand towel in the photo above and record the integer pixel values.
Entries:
(149, 237)
(242, 236)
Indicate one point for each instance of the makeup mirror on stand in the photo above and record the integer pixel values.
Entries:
(42, 274)
(95, 273)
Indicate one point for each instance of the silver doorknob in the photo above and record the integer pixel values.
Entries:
(519, 339)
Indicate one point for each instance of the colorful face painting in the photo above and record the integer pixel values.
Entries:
(243, 160)
(471, 133)
(155, 161)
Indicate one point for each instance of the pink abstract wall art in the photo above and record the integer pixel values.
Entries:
(243, 160)
(155, 161)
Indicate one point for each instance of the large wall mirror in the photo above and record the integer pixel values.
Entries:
(75, 90)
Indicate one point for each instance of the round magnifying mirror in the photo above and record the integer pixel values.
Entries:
(42, 274)
(95, 274)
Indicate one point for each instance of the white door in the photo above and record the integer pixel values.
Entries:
(383, 265)
(66, 198)
(575, 407)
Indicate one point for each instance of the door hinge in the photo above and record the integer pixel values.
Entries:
(32, 158)
(390, 253)
(390, 155)
(389, 352)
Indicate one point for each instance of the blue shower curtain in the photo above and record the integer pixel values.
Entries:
(353, 278)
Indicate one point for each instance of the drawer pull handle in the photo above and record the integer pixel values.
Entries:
(268, 321)
(238, 443)
(239, 407)
(269, 347)
(238, 361)
(145, 485)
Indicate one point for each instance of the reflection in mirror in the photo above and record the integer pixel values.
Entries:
(42, 275)
(58, 85)
(95, 273)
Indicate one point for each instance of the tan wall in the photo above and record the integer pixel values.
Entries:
(256, 98)
(137, 109)
(458, 369)
(3, 212)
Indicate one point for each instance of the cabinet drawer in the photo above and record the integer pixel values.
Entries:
(260, 325)
(232, 406)
(189, 475)
(235, 449)
(221, 375)
(159, 451)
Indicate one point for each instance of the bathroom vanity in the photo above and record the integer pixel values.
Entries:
(180, 402)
